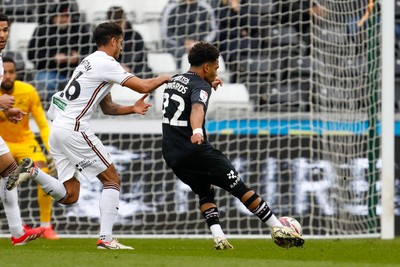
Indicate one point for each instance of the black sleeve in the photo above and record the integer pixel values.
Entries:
(201, 95)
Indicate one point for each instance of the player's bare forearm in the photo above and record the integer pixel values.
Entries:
(116, 109)
(145, 86)
(196, 122)
(197, 116)
(111, 108)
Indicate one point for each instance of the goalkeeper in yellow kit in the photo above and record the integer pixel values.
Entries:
(21, 140)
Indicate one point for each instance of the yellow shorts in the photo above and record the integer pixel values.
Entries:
(27, 149)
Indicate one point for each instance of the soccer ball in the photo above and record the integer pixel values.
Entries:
(284, 238)
(292, 223)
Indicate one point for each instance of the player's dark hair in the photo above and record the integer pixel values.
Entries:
(8, 59)
(105, 31)
(4, 17)
(201, 53)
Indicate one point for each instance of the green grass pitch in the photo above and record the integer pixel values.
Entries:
(200, 252)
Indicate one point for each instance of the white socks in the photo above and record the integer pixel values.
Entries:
(216, 231)
(49, 184)
(11, 209)
(273, 221)
(109, 203)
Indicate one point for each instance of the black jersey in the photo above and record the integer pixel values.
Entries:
(180, 93)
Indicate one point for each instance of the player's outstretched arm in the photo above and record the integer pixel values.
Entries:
(145, 86)
(109, 107)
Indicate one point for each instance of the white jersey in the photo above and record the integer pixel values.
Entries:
(91, 81)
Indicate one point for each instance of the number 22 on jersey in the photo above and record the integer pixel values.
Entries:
(180, 107)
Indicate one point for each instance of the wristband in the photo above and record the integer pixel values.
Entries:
(198, 131)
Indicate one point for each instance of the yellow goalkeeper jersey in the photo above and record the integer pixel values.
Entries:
(28, 100)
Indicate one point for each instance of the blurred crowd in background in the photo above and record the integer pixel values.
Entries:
(264, 44)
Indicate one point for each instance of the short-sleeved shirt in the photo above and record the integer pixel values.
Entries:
(181, 92)
(91, 81)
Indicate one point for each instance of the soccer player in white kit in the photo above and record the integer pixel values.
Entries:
(75, 148)
(20, 234)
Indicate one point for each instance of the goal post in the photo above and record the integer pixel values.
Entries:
(306, 115)
(388, 144)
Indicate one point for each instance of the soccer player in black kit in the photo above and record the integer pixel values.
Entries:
(195, 161)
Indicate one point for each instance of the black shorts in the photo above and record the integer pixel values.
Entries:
(205, 168)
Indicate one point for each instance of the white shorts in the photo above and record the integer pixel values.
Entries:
(3, 147)
(77, 153)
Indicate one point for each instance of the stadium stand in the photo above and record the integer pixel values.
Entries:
(230, 96)
(20, 10)
(147, 11)
(162, 62)
(279, 52)
(97, 12)
(150, 31)
(20, 35)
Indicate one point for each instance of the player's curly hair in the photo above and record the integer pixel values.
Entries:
(105, 31)
(201, 53)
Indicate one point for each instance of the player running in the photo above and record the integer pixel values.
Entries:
(20, 234)
(22, 141)
(75, 148)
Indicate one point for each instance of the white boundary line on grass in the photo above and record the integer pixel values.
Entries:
(210, 237)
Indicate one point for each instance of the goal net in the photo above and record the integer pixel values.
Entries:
(298, 116)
